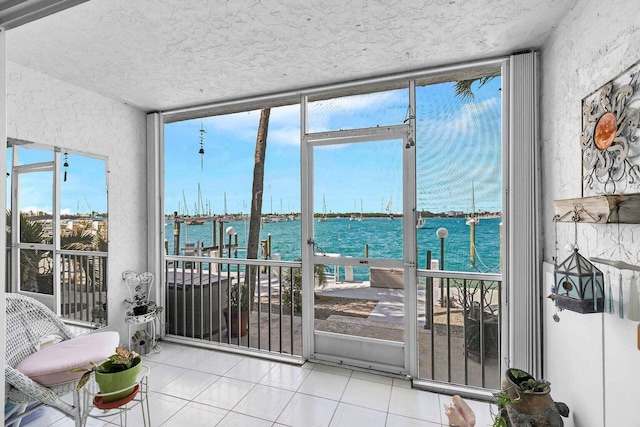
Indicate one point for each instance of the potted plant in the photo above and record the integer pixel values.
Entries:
(293, 279)
(238, 308)
(476, 298)
(525, 400)
(118, 373)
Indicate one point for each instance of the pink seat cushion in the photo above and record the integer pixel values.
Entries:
(51, 365)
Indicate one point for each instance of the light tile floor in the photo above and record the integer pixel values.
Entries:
(196, 387)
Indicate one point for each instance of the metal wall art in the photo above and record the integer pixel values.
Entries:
(610, 136)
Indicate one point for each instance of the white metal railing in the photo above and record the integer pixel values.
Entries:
(477, 297)
(83, 286)
(198, 291)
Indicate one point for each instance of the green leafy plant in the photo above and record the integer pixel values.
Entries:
(535, 386)
(119, 361)
(293, 279)
(526, 383)
(503, 399)
(239, 296)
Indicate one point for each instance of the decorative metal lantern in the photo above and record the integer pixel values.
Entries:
(579, 285)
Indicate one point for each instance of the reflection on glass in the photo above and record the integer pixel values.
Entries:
(79, 280)
(83, 204)
(36, 271)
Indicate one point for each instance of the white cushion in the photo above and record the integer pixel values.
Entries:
(51, 365)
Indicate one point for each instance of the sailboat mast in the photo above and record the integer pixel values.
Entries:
(472, 222)
(200, 210)
(473, 200)
(184, 199)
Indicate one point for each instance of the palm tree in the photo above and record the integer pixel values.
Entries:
(464, 90)
(253, 239)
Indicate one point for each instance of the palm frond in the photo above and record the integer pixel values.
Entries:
(463, 88)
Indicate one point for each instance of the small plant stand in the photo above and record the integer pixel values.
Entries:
(115, 413)
(141, 309)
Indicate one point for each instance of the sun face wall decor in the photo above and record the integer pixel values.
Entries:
(610, 136)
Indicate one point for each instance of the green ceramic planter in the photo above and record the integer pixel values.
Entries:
(116, 381)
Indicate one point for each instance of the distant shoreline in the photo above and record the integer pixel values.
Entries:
(291, 216)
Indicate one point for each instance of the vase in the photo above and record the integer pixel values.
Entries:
(123, 382)
(532, 407)
(234, 328)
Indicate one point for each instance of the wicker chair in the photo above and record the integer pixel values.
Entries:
(27, 323)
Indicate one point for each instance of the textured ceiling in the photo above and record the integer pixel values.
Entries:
(165, 54)
(14, 13)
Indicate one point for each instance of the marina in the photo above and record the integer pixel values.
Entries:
(344, 236)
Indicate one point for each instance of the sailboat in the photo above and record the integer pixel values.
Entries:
(389, 208)
(323, 218)
(420, 222)
(473, 219)
(199, 209)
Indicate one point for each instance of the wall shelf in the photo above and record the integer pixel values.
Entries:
(605, 209)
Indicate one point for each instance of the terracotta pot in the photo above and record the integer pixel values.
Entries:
(532, 404)
(232, 325)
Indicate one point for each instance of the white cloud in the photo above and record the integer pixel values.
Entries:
(321, 112)
(284, 136)
(470, 114)
(463, 121)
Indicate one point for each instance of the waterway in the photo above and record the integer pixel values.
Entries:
(383, 238)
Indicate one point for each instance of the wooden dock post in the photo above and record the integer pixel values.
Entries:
(176, 234)
(428, 299)
(472, 243)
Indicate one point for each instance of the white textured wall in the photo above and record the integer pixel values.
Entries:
(48, 111)
(591, 360)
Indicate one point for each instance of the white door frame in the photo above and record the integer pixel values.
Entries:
(337, 348)
(51, 301)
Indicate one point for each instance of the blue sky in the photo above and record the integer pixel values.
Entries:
(458, 146)
(84, 191)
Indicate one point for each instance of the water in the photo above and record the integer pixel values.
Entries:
(383, 237)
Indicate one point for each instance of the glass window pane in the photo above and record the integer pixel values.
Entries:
(36, 271)
(359, 111)
(35, 207)
(209, 166)
(358, 189)
(459, 175)
(28, 155)
(83, 203)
